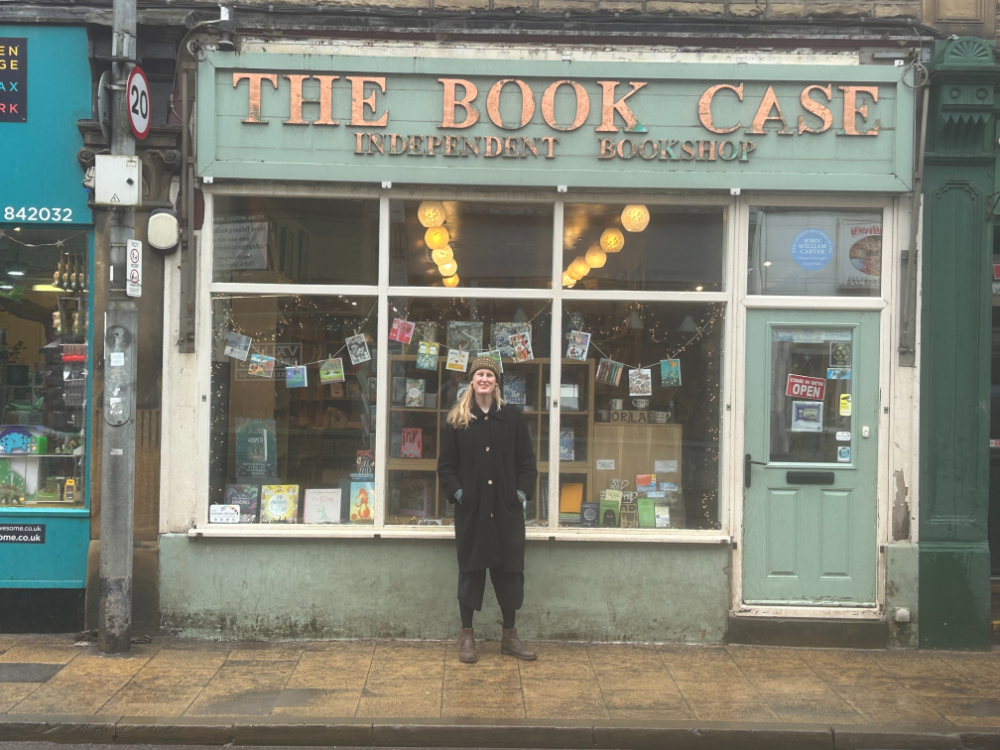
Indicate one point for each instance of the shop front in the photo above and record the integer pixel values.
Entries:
(45, 265)
(679, 266)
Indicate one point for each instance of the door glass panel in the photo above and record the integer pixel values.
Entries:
(811, 385)
(815, 252)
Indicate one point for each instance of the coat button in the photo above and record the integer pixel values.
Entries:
(489, 481)
(485, 417)
(487, 449)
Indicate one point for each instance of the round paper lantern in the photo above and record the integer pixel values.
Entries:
(431, 213)
(451, 280)
(635, 217)
(437, 238)
(573, 274)
(568, 280)
(612, 241)
(448, 269)
(595, 257)
(579, 266)
(443, 255)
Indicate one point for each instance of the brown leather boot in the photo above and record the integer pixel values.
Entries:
(510, 644)
(467, 647)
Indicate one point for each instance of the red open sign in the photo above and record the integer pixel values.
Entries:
(801, 386)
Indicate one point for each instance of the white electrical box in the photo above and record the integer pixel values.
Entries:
(117, 180)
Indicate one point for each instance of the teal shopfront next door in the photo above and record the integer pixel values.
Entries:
(810, 466)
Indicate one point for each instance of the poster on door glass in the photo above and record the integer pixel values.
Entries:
(807, 416)
(859, 252)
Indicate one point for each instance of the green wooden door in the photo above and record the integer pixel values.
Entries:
(811, 421)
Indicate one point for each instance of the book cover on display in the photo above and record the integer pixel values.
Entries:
(647, 513)
(589, 514)
(466, 335)
(357, 348)
(237, 346)
(645, 482)
(427, 356)
(412, 445)
(256, 450)
(279, 503)
(362, 508)
(415, 388)
(521, 344)
(502, 333)
(322, 506)
(515, 390)
(247, 497)
(458, 361)
(610, 506)
(365, 462)
(567, 438)
(609, 372)
(662, 515)
(640, 382)
(401, 331)
(424, 331)
(579, 343)
(570, 497)
(260, 366)
(332, 371)
(670, 372)
(415, 497)
(296, 376)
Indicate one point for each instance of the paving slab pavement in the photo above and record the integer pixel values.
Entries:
(398, 693)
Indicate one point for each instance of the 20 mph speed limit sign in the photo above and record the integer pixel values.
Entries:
(137, 90)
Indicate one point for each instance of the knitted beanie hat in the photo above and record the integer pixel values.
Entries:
(485, 363)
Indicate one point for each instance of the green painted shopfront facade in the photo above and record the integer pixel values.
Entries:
(707, 258)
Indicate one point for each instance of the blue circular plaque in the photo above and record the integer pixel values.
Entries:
(812, 249)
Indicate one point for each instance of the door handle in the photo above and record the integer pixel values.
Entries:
(747, 462)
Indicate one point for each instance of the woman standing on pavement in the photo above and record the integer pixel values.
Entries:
(487, 468)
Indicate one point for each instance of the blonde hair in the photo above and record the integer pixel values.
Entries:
(461, 413)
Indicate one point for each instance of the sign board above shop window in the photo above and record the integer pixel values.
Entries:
(547, 123)
(44, 90)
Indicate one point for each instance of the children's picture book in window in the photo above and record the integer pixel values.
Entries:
(261, 366)
(321, 506)
(427, 356)
(515, 389)
(670, 372)
(362, 502)
(458, 360)
(415, 388)
(567, 446)
(521, 344)
(502, 333)
(640, 382)
(401, 331)
(579, 344)
(332, 371)
(296, 376)
(237, 346)
(279, 503)
(610, 506)
(365, 462)
(465, 334)
(412, 445)
(609, 372)
(357, 348)
(247, 497)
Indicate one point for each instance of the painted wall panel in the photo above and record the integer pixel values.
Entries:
(325, 588)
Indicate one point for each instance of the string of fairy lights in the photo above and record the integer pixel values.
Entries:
(634, 218)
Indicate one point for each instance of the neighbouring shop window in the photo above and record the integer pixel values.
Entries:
(43, 366)
(267, 240)
(434, 342)
(293, 409)
(470, 243)
(811, 389)
(640, 418)
(643, 247)
(815, 252)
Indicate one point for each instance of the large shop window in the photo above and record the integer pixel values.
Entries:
(430, 373)
(815, 252)
(43, 366)
(293, 409)
(470, 244)
(265, 240)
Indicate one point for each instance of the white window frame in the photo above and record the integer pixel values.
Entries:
(382, 291)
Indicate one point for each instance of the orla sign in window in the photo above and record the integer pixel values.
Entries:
(583, 124)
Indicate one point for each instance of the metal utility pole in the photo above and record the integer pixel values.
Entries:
(121, 321)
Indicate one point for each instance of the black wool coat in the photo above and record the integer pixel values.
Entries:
(490, 460)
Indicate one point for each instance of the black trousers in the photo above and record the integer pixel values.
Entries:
(509, 588)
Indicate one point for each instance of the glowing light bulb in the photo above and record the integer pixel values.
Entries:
(443, 255)
(579, 266)
(431, 213)
(437, 238)
(451, 281)
(612, 240)
(449, 268)
(595, 257)
(635, 217)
